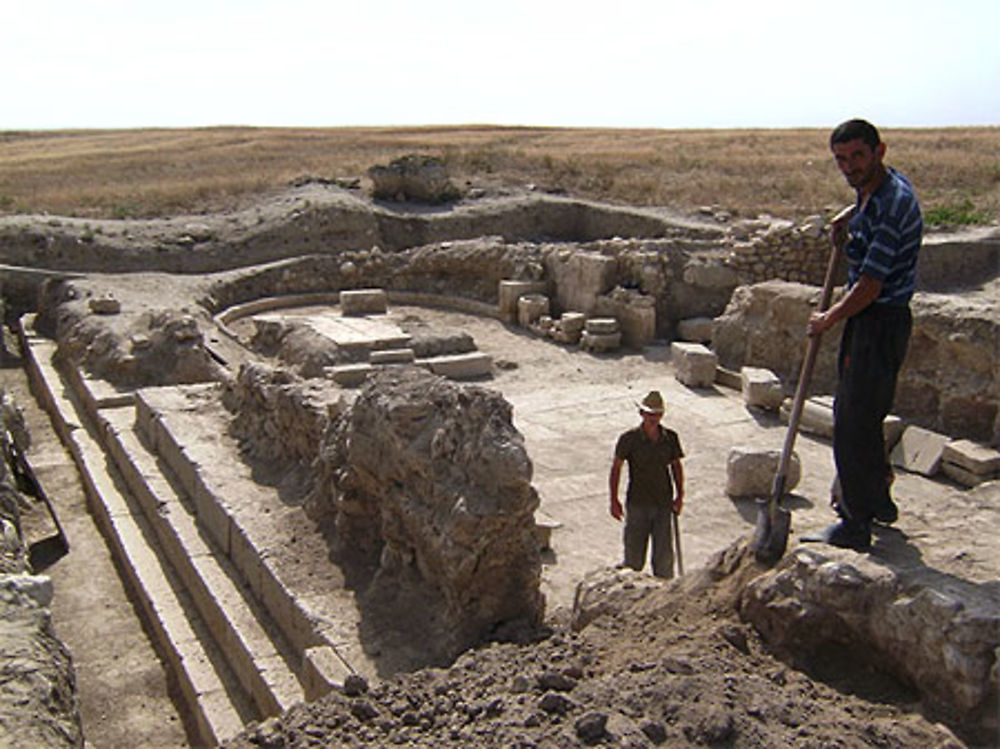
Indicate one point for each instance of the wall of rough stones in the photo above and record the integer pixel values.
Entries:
(432, 480)
(950, 380)
(280, 417)
(941, 640)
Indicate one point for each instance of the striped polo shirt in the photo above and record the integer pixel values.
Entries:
(885, 239)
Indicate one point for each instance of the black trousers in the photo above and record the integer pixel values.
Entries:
(871, 352)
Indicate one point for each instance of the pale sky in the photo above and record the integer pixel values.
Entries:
(618, 63)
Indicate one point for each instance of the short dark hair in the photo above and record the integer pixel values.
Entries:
(855, 130)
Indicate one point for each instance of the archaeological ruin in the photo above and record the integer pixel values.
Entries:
(337, 438)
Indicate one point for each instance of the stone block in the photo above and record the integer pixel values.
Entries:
(600, 342)
(581, 277)
(568, 328)
(975, 458)
(694, 364)
(363, 302)
(601, 326)
(761, 388)
(573, 322)
(461, 366)
(919, 451)
(816, 418)
(348, 375)
(510, 291)
(695, 329)
(638, 322)
(750, 471)
(530, 308)
(961, 475)
(392, 356)
(728, 378)
(322, 671)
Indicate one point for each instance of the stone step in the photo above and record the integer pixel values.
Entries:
(254, 648)
(460, 366)
(305, 594)
(206, 685)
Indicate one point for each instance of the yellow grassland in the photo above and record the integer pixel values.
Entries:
(160, 172)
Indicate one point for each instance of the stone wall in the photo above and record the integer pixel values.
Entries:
(943, 639)
(278, 416)
(432, 479)
(950, 380)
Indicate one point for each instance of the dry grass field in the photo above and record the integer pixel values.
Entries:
(147, 173)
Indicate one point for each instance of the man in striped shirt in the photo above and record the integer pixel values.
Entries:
(885, 232)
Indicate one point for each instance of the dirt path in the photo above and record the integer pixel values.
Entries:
(122, 686)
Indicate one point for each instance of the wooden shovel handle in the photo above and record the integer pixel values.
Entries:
(808, 365)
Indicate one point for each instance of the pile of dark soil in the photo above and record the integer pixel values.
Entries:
(677, 668)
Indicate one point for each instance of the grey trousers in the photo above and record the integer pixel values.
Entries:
(643, 522)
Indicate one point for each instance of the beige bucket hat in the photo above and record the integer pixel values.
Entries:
(652, 403)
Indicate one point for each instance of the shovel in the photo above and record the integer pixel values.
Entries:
(677, 543)
(42, 553)
(770, 536)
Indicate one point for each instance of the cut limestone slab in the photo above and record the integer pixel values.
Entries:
(761, 388)
(694, 364)
(349, 375)
(750, 471)
(598, 342)
(919, 450)
(728, 378)
(961, 475)
(363, 302)
(392, 356)
(975, 458)
(461, 366)
(602, 326)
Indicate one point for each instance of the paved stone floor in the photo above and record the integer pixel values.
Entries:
(571, 435)
(571, 407)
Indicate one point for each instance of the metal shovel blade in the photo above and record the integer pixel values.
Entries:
(770, 535)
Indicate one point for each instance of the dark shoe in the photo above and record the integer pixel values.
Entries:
(845, 535)
(887, 514)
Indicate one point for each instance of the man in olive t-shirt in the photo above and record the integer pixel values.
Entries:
(655, 487)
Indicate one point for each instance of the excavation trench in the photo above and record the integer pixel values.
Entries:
(318, 513)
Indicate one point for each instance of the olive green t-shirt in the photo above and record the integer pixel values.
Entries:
(649, 462)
